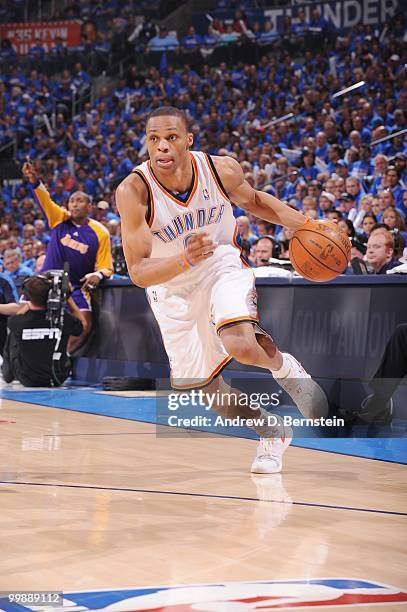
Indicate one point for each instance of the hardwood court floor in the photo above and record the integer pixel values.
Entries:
(91, 502)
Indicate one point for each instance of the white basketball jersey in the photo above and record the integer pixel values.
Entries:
(206, 208)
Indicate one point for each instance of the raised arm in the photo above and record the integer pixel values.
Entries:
(259, 203)
(53, 213)
(131, 199)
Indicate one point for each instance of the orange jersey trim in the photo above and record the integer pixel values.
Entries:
(246, 319)
(215, 373)
(168, 193)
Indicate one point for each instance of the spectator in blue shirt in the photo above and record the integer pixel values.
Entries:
(163, 42)
(13, 266)
(40, 231)
(192, 40)
(393, 183)
(309, 170)
(322, 146)
(28, 255)
(37, 51)
(400, 163)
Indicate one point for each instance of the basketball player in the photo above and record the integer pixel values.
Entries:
(179, 239)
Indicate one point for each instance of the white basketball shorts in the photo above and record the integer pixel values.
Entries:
(191, 315)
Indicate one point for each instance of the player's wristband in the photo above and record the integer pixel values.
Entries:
(100, 275)
(187, 262)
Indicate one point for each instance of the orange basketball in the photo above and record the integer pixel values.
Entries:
(320, 251)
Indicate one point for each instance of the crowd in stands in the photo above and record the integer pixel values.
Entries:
(326, 160)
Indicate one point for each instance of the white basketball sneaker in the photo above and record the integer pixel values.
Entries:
(269, 457)
(305, 392)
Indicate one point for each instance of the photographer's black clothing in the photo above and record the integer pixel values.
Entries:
(30, 346)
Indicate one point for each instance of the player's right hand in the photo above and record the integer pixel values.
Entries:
(199, 247)
(29, 172)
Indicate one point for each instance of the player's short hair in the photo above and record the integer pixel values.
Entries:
(82, 193)
(169, 111)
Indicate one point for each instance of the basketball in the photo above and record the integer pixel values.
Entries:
(320, 251)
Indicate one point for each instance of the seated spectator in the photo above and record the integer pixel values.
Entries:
(28, 254)
(309, 207)
(394, 185)
(368, 223)
(380, 251)
(334, 214)
(245, 233)
(400, 163)
(346, 226)
(394, 220)
(379, 170)
(341, 169)
(229, 36)
(358, 249)
(265, 250)
(326, 201)
(386, 199)
(354, 187)
(309, 170)
(264, 228)
(13, 266)
(347, 205)
(267, 35)
(240, 23)
(163, 42)
(40, 231)
(192, 40)
(286, 236)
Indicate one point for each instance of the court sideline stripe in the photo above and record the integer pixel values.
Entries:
(208, 495)
(319, 450)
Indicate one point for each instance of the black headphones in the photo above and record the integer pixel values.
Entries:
(43, 277)
(25, 290)
(276, 245)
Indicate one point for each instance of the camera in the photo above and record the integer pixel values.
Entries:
(58, 294)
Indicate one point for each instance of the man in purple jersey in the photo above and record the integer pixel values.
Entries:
(75, 238)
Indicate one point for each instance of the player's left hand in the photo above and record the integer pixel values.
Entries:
(90, 281)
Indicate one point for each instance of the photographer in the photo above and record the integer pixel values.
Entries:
(32, 340)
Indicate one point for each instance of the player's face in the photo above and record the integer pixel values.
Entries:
(79, 206)
(168, 142)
